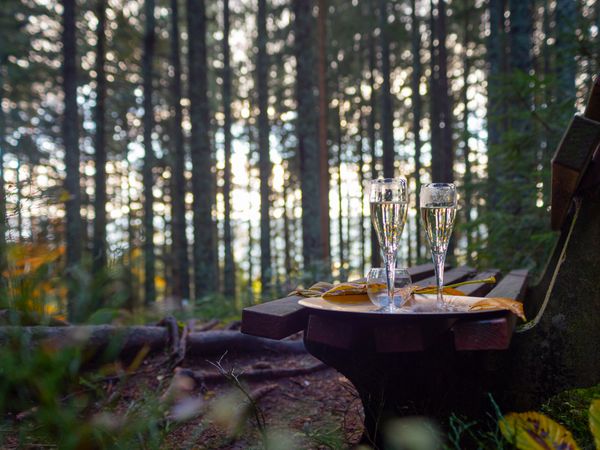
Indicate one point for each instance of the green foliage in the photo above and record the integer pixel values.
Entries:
(571, 409)
(45, 401)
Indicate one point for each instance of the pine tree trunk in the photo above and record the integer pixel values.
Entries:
(341, 244)
(375, 252)
(566, 49)
(417, 112)
(442, 154)
(361, 180)
(387, 132)
(205, 273)
(181, 265)
(262, 74)
(99, 239)
(71, 143)
(495, 51)
(323, 112)
(307, 132)
(229, 269)
(3, 217)
(148, 179)
(468, 179)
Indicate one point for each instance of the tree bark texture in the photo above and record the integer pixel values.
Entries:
(181, 265)
(262, 75)
(99, 239)
(229, 266)
(417, 112)
(71, 143)
(307, 132)
(205, 273)
(387, 118)
(323, 112)
(147, 175)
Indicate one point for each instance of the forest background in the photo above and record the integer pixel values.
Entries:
(215, 153)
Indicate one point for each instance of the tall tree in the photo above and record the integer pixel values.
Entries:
(341, 245)
(3, 218)
(306, 130)
(264, 159)
(566, 49)
(375, 251)
(181, 266)
(99, 238)
(468, 178)
(229, 269)
(323, 112)
(441, 131)
(417, 111)
(71, 143)
(147, 177)
(387, 132)
(205, 271)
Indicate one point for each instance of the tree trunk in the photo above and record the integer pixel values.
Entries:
(323, 110)
(148, 179)
(229, 266)
(417, 111)
(375, 252)
(566, 49)
(361, 180)
(495, 51)
(387, 132)
(71, 143)
(99, 239)
(181, 265)
(307, 132)
(205, 273)
(468, 179)
(341, 244)
(262, 74)
(442, 158)
(3, 217)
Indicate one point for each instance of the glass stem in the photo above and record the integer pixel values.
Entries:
(438, 262)
(390, 266)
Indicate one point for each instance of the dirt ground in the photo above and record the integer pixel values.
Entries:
(313, 411)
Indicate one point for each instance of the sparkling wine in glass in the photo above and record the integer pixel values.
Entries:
(438, 210)
(389, 198)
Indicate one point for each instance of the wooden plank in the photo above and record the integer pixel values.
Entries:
(338, 332)
(573, 156)
(421, 271)
(451, 276)
(480, 289)
(492, 334)
(276, 319)
(513, 285)
(410, 335)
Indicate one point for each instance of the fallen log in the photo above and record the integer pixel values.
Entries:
(202, 377)
(127, 341)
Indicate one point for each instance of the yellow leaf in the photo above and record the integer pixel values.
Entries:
(595, 421)
(535, 431)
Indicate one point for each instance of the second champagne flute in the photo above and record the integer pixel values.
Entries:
(388, 198)
(438, 209)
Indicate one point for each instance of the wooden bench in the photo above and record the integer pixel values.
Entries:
(435, 366)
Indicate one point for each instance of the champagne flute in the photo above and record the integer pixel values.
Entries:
(438, 210)
(389, 199)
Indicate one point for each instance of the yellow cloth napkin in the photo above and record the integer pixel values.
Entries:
(353, 293)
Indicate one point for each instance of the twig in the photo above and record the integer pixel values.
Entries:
(258, 375)
(208, 325)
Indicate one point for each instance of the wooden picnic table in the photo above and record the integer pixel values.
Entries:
(437, 365)
(401, 364)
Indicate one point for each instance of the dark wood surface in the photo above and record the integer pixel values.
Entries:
(573, 156)
(280, 318)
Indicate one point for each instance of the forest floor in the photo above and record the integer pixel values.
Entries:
(317, 410)
(312, 411)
